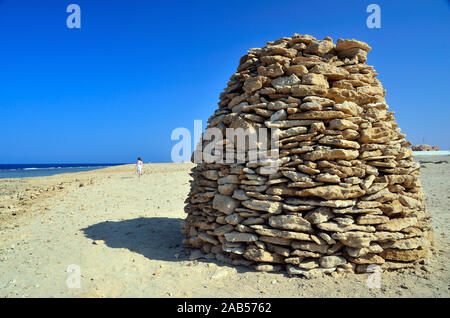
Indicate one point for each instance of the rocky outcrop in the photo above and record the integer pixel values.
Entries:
(346, 192)
(424, 147)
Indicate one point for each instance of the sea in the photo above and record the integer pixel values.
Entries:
(47, 169)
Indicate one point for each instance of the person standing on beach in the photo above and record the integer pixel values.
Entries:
(139, 166)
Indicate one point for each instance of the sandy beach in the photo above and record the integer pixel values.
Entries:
(124, 235)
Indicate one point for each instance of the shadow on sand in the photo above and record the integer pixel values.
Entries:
(157, 238)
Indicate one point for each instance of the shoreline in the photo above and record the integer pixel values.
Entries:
(46, 170)
(90, 169)
(417, 154)
(431, 153)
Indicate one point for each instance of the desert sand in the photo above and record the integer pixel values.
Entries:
(124, 235)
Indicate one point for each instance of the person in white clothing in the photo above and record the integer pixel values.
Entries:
(139, 166)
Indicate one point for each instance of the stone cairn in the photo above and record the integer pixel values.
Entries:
(346, 194)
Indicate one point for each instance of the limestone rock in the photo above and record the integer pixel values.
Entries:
(225, 203)
(404, 255)
(320, 215)
(331, 261)
(333, 192)
(290, 222)
(396, 225)
(284, 83)
(240, 237)
(259, 255)
(262, 205)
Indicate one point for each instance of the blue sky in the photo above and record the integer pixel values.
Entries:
(117, 87)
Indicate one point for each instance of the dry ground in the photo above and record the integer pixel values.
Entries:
(124, 234)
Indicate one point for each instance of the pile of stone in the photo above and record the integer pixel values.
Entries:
(346, 194)
(424, 147)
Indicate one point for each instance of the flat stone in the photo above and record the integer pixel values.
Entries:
(252, 84)
(232, 248)
(342, 124)
(404, 255)
(371, 219)
(294, 260)
(387, 236)
(208, 238)
(338, 203)
(259, 255)
(319, 115)
(331, 261)
(309, 246)
(308, 273)
(225, 204)
(298, 70)
(296, 176)
(332, 192)
(327, 238)
(309, 263)
(294, 131)
(240, 195)
(315, 79)
(227, 189)
(344, 44)
(332, 154)
(275, 240)
(350, 108)
(262, 205)
(336, 227)
(233, 219)
(279, 115)
(359, 252)
(405, 244)
(354, 239)
(319, 215)
(395, 225)
(231, 178)
(285, 82)
(281, 233)
(326, 177)
(330, 71)
(240, 237)
(290, 222)
(368, 259)
(220, 231)
(267, 268)
(302, 253)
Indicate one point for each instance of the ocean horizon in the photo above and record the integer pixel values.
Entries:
(48, 169)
